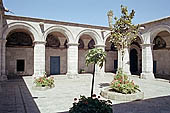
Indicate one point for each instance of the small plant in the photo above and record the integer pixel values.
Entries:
(96, 57)
(44, 81)
(91, 105)
(82, 70)
(122, 84)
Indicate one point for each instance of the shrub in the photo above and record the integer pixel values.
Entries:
(44, 81)
(122, 84)
(91, 105)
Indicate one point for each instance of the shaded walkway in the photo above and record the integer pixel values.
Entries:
(16, 98)
(154, 105)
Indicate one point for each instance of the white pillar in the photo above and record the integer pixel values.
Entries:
(72, 60)
(3, 60)
(119, 59)
(100, 71)
(147, 62)
(39, 58)
(126, 62)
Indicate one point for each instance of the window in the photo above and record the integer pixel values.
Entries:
(20, 65)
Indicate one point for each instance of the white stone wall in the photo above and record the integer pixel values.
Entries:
(56, 52)
(163, 61)
(109, 64)
(14, 54)
(81, 61)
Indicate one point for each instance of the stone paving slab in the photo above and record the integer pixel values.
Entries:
(19, 97)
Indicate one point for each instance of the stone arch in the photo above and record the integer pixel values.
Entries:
(22, 54)
(21, 25)
(108, 36)
(93, 34)
(157, 29)
(67, 33)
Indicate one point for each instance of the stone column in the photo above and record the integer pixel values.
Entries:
(72, 60)
(3, 60)
(147, 62)
(62, 41)
(119, 59)
(100, 71)
(39, 58)
(126, 62)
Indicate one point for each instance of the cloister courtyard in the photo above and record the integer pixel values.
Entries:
(18, 96)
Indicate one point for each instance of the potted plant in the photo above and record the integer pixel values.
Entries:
(44, 82)
(82, 71)
(91, 105)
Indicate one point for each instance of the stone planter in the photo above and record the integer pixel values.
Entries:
(106, 93)
(39, 88)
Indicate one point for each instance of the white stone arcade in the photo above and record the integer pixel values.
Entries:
(72, 55)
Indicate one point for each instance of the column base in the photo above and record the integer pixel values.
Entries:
(99, 74)
(149, 76)
(127, 72)
(72, 75)
(3, 78)
(35, 76)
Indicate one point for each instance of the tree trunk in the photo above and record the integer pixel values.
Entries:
(93, 81)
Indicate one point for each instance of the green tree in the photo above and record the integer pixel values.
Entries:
(95, 56)
(123, 32)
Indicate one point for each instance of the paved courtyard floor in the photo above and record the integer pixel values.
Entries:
(18, 96)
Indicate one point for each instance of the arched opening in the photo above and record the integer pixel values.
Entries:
(134, 61)
(85, 43)
(136, 57)
(19, 53)
(56, 53)
(161, 61)
(111, 63)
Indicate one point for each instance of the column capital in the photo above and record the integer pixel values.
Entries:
(72, 44)
(146, 45)
(100, 45)
(39, 42)
(3, 40)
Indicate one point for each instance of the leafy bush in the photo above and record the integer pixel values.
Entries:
(91, 105)
(122, 84)
(44, 81)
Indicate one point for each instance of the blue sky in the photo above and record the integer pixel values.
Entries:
(92, 12)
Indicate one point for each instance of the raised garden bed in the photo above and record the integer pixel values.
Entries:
(108, 94)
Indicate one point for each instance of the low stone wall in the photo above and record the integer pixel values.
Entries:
(106, 93)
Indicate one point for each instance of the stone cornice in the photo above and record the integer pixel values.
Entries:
(10, 17)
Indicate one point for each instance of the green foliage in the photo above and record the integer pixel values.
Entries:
(123, 32)
(122, 84)
(91, 105)
(44, 81)
(95, 56)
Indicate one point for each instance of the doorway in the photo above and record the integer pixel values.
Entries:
(134, 61)
(54, 65)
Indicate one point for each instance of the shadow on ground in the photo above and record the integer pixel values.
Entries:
(153, 105)
(166, 77)
(16, 98)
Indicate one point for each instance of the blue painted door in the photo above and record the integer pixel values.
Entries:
(54, 65)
